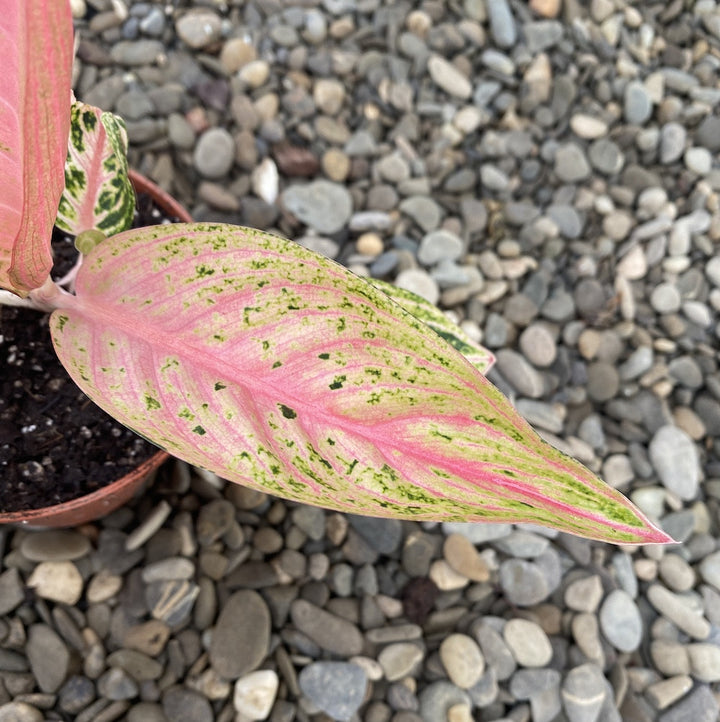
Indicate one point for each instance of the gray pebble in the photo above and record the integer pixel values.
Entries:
(583, 693)
(12, 591)
(523, 582)
(542, 34)
(606, 156)
(675, 459)
(214, 153)
(571, 164)
(241, 636)
(438, 245)
(383, 535)
(620, 621)
(502, 23)
(423, 210)
(638, 105)
(184, 705)
(438, 697)
(332, 633)
(322, 205)
(603, 381)
(134, 53)
(518, 372)
(336, 688)
(49, 657)
(672, 142)
(699, 705)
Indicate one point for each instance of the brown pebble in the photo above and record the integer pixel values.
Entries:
(418, 598)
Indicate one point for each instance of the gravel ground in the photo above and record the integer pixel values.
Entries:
(548, 173)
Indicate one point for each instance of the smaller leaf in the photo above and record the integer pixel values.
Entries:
(98, 194)
(431, 316)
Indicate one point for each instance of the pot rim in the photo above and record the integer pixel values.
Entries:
(96, 504)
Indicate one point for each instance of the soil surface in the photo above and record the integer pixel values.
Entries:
(55, 444)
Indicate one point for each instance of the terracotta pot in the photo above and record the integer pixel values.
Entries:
(101, 502)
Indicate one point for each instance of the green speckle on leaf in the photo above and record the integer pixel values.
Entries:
(324, 356)
(338, 383)
(287, 412)
(203, 271)
(199, 431)
(185, 413)
(277, 365)
(152, 404)
(219, 386)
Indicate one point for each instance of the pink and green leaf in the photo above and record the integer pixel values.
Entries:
(277, 368)
(37, 45)
(432, 316)
(98, 195)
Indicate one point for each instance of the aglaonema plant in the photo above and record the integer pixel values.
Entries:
(246, 354)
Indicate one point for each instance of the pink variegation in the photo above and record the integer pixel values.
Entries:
(246, 354)
(34, 124)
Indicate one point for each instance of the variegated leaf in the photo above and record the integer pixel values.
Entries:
(98, 194)
(277, 368)
(432, 316)
(36, 43)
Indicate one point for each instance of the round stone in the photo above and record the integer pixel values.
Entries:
(698, 160)
(20, 712)
(322, 205)
(675, 459)
(583, 693)
(620, 621)
(55, 545)
(523, 582)
(462, 659)
(440, 245)
(461, 554)
(448, 77)
(198, 29)
(336, 688)
(49, 657)
(672, 142)
(603, 381)
(584, 595)
(588, 126)
(57, 581)
(184, 705)
(571, 164)
(437, 699)
(255, 693)
(665, 298)
(528, 643)
(399, 660)
(538, 345)
(524, 378)
(329, 95)
(241, 636)
(235, 53)
(214, 153)
(420, 283)
(638, 104)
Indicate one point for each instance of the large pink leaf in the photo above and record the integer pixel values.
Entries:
(277, 368)
(36, 42)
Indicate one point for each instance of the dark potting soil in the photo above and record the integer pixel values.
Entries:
(55, 444)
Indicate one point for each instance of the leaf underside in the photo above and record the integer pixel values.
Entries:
(98, 194)
(432, 316)
(277, 368)
(37, 43)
